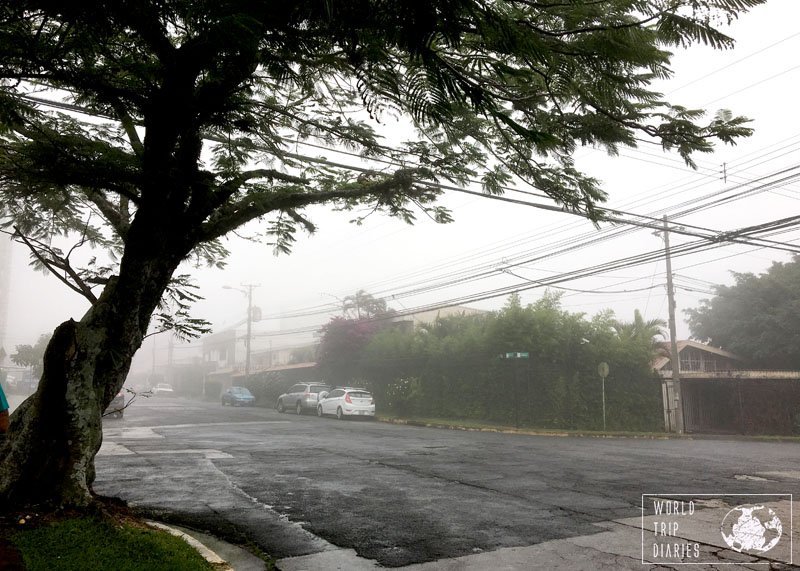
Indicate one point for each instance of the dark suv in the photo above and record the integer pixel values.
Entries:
(301, 397)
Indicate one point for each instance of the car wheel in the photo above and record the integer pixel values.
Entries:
(339, 413)
(319, 411)
(299, 408)
(280, 406)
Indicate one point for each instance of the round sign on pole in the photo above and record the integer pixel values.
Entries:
(602, 369)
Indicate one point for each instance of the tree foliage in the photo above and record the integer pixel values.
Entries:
(31, 356)
(758, 317)
(149, 130)
(363, 305)
(640, 330)
(457, 368)
(514, 85)
(343, 339)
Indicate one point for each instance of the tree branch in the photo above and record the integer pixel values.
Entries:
(115, 217)
(130, 128)
(233, 184)
(254, 205)
(78, 285)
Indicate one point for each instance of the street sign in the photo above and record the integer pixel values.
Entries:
(517, 355)
(602, 369)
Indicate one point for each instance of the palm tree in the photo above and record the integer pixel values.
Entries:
(364, 305)
(647, 332)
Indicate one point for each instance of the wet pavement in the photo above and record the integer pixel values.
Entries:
(324, 494)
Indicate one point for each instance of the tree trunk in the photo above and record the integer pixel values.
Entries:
(48, 456)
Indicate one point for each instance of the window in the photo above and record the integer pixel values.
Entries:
(691, 361)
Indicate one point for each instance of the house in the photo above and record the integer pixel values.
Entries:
(722, 395)
(409, 321)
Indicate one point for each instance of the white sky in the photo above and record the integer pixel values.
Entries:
(389, 259)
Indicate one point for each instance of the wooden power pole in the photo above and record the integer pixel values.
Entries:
(675, 359)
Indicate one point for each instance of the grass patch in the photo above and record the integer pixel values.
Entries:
(82, 543)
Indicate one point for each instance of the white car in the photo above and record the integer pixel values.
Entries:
(346, 401)
(163, 389)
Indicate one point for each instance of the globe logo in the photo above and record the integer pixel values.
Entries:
(751, 527)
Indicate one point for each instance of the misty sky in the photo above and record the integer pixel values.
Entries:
(400, 263)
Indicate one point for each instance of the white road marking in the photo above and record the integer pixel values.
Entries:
(113, 449)
(792, 475)
(148, 432)
(750, 478)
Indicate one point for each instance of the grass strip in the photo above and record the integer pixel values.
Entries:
(82, 543)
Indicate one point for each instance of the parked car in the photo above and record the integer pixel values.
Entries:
(238, 396)
(163, 389)
(301, 397)
(347, 401)
(116, 407)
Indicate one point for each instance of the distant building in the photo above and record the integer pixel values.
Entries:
(722, 395)
(5, 283)
(427, 317)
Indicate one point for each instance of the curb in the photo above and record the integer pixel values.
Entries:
(563, 434)
(530, 432)
(204, 551)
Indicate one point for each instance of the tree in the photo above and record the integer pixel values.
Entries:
(363, 305)
(31, 356)
(343, 338)
(341, 345)
(457, 367)
(167, 125)
(646, 332)
(758, 317)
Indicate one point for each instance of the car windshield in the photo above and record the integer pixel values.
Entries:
(241, 391)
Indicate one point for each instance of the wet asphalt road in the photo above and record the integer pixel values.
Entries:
(398, 494)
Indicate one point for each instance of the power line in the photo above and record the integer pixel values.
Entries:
(733, 237)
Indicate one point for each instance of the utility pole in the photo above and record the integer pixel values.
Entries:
(153, 367)
(249, 293)
(675, 360)
(249, 329)
(171, 375)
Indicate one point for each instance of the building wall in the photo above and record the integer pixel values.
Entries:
(693, 359)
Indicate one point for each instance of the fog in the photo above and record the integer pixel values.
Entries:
(392, 260)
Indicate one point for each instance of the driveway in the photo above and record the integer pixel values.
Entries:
(320, 493)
